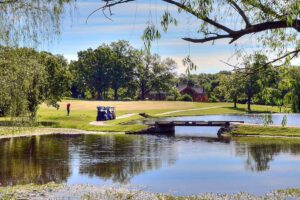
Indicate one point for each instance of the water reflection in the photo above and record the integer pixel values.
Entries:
(120, 158)
(43, 159)
(34, 160)
(261, 152)
(185, 164)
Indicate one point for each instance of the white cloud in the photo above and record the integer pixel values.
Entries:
(118, 29)
(208, 63)
(70, 57)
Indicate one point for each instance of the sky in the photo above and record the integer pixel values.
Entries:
(128, 23)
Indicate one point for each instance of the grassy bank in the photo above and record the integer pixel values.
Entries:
(83, 112)
(246, 130)
(57, 191)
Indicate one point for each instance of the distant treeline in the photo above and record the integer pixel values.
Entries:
(119, 72)
(257, 82)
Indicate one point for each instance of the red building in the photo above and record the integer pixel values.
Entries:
(197, 93)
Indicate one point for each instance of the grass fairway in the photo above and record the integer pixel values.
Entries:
(83, 112)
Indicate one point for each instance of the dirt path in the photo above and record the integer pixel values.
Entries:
(102, 123)
(126, 115)
(193, 109)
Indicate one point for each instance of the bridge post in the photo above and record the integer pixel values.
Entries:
(166, 129)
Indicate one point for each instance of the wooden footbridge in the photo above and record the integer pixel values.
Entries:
(168, 127)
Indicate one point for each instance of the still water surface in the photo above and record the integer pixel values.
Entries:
(180, 165)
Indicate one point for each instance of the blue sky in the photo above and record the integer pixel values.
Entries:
(129, 21)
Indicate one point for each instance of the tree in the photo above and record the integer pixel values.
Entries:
(90, 71)
(78, 86)
(231, 87)
(30, 21)
(154, 74)
(281, 92)
(22, 78)
(252, 75)
(29, 78)
(145, 75)
(164, 75)
(295, 92)
(122, 70)
(107, 67)
(275, 22)
(58, 80)
(101, 70)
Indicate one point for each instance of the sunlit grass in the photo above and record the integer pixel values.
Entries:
(266, 131)
(83, 112)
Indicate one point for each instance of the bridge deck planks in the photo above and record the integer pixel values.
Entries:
(194, 123)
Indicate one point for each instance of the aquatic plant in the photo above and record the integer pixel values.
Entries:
(268, 119)
(284, 121)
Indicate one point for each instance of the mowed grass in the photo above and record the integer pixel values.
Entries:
(83, 112)
(266, 131)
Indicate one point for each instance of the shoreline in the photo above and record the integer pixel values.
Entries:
(270, 131)
(262, 136)
(262, 125)
(40, 131)
(53, 131)
(13, 132)
(63, 191)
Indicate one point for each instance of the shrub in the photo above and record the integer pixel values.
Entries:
(185, 97)
(213, 99)
(170, 98)
(127, 99)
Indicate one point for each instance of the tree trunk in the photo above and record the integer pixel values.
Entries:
(93, 94)
(142, 92)
(280, 108)
(142, 95)
(99, 96)
(249, 102)
(74, 91)
(235, 101)
(116, 96)
(104, 96)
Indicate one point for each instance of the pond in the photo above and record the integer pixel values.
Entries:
(180, 165)
(292, 119)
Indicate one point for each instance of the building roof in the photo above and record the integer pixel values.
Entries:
(199, 90)
(181, 87)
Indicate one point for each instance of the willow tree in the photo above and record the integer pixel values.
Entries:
(29, 78)
(275, 23)
(30, 22)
